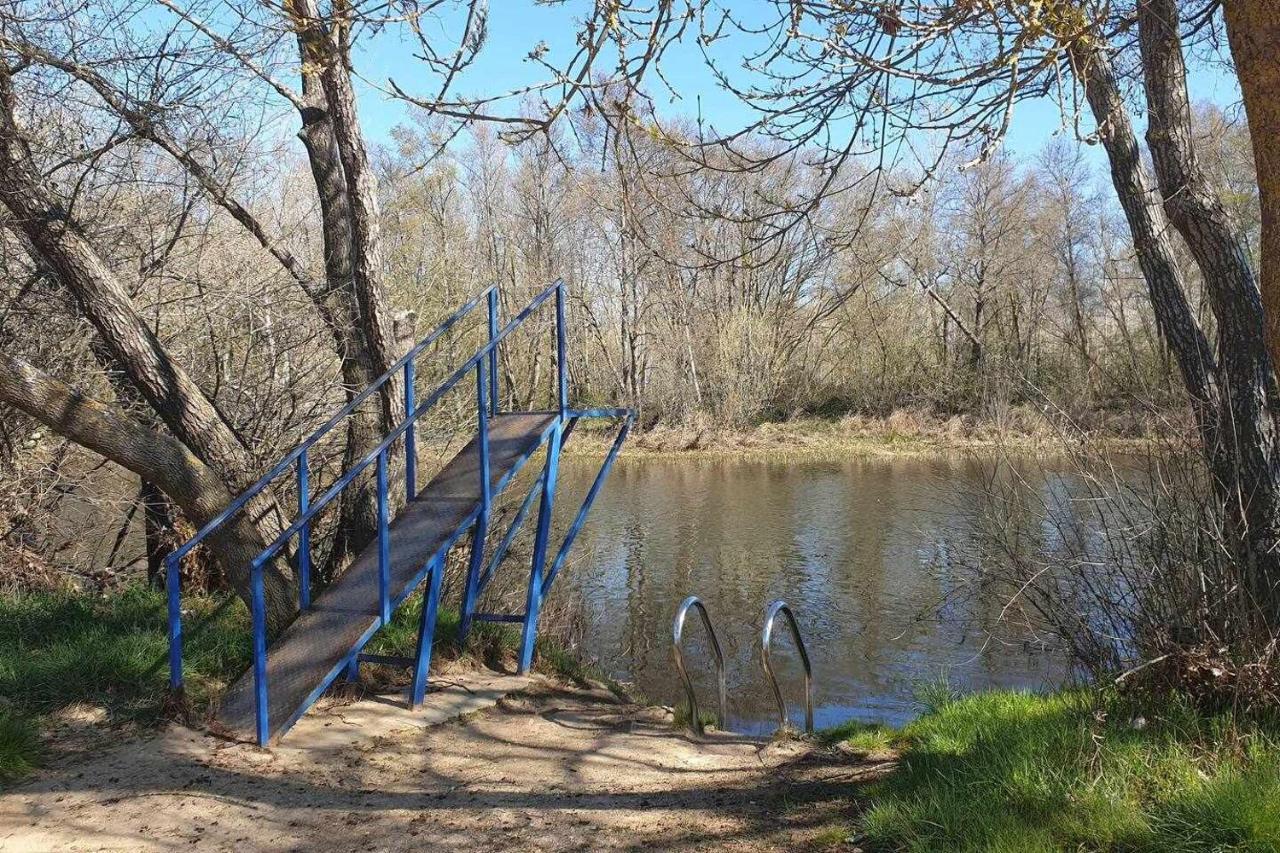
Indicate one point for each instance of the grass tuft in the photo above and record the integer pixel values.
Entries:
(1076, 770)
(862, 737)
(681, 717)
(19, 745)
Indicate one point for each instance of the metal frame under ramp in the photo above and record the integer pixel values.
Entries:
(292, 670)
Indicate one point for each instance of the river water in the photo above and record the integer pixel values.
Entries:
(875, 556)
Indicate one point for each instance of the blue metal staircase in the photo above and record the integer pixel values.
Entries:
(327, 638)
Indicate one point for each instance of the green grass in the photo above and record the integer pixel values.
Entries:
(111, 651)
(1009, 771)
(58, 649)
(681, 717)
(863, 737)
(19, 745)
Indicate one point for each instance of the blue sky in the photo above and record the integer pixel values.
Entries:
(517, 26)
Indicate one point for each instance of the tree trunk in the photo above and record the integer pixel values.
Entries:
(158, 524)
(1253, 29)
(54, 242)
(363, 328)
(158, 459)
(1250, 475)
(1150, 233)
(358, 508)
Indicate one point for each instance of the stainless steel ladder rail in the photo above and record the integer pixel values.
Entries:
(677, 634)
(766, 637)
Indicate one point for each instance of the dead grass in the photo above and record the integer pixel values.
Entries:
(904, 432)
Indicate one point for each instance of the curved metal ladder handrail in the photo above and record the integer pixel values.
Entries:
(766, 636)
(677, 633)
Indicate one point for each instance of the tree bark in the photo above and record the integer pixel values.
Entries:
(1253, 30)
(156, 458)
(364, 330)
(1150, 232)
(1249, 476)
(55, 242)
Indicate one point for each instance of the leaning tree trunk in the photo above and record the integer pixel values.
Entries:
(354, 322)
(1249, 479)
(55, 242)
(1253, 29)
(156, 458)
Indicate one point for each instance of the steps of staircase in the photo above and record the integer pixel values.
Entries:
(309, 654)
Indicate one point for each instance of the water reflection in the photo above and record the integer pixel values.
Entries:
(865, 551)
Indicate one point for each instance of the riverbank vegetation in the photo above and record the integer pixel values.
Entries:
(1077, 770)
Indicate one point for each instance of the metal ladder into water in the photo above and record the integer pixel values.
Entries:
(771, 614)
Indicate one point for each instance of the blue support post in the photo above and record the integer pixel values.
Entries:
(474, 565)
(493, 353)
(481, 530)
(384, 542)
(581, 518)
(512, 531)
(410, 436)
(562, 370)
(172, 582)
(426, 634)
(482, 425)
(304, 535)
(533, 602)
(258, 596)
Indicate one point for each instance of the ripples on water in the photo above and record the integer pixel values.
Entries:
(865, 551)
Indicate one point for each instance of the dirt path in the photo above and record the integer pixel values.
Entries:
(492, 763)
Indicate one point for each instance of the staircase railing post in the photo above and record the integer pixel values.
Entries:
(172, 583)
(482, 427)
(426, 634)
(481, 530)
(410, 436)
(304, 535)
(258, 597)
(562, 372)
(384, 542)
(493, 350)
(533, 601)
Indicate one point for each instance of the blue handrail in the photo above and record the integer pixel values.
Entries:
(484, 362)
(266, 479)
(309, 508)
